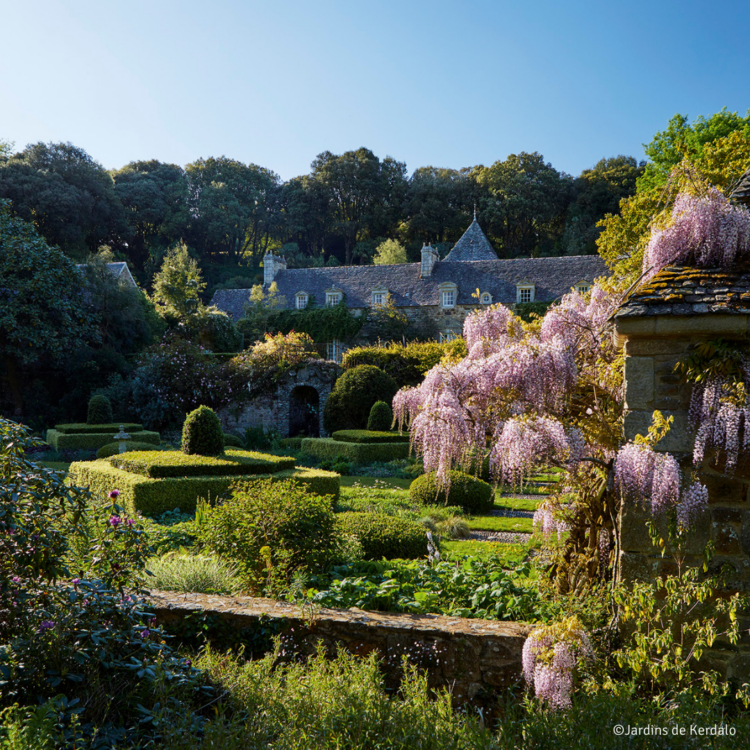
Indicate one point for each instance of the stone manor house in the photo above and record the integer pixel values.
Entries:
(435, 294)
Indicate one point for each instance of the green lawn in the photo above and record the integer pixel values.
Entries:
(58, 465)
(377, 482)
(518, 503)
(500, 523)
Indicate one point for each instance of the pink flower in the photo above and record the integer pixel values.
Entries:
(114, 494)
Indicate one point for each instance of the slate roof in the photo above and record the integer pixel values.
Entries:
(741, 194)
(685, 290)
(473, 245)
(552, 278)
(119, 270)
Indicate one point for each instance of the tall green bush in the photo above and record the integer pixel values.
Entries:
(201, 433)
(100, 410)
(472, 494)
(348, 406)
(383, 536)
(381, 417)
(271, 530)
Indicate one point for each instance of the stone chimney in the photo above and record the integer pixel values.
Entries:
(429, 258)
(272, 264)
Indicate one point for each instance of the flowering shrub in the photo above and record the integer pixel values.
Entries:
(67, 626)
(706, 231)
(551, 656)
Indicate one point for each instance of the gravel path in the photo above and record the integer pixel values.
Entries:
(511, 513)
(536, 496)
(505, 537)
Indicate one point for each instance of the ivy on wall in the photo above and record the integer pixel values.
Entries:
(322, 324)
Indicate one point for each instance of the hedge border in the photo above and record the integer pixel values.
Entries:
(156, 496)
(369, 436)
(77, 428)
(93, 441)
(358, 453)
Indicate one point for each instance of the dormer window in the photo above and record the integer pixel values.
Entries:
(583, 287)
(446, 336)
(524, 292)
(485, 298)
(333, 297)
(448, 294)
(379, 297)
(301, 300)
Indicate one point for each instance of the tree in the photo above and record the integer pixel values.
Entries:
(364, 194)
(389, 252)
(682, 139)
(524, 203)
(6, 148)
(68, 196)
(232, 206)
(154, 196)
(598, 192)
(42, 307)
(178, 284)
(438, 204)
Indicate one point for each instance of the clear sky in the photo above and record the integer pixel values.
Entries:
(439, 83)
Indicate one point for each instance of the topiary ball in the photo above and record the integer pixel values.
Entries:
(100, 411)
(201, 433)
(232, 441)
(355, 392)
(381, 417)
(472, 494)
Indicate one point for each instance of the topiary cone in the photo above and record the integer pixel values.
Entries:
(381, 417)
(100, 411)
(201, 433)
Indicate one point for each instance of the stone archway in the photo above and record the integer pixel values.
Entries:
(304, 411)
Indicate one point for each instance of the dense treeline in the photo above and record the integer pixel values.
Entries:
(229, 213)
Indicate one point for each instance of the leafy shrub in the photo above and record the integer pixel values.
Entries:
(201, 433)
(77, 637)
(381, 417)
(200, 574)
(408, 364)
(383, 536)
(113, 449)
(100, 410)
(292, 444)
(233, 461)
(218, 331)
(356, 453)
(355, 392)
(155, 496)
(369, 436)
(271, 530)
(472, 494)
(258, 438)
(232, 441)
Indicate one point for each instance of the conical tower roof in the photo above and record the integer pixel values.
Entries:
(473, 245)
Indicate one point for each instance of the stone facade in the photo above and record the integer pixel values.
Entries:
(474, 659)
(658, 327)
(306, 386)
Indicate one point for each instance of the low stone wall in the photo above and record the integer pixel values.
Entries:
(472, 658)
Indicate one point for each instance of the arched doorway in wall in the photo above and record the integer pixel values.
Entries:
(304, 408)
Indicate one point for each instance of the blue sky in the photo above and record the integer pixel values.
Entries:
(430, 83)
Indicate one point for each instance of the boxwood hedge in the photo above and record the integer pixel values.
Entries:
(472, 494)
(113, 449)
(155, 496)
(369, 436)
(384, 536)
(162, 464)
(358, 453)
(92, 441)
(76, 428)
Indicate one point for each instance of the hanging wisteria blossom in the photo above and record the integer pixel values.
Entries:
(706, 231)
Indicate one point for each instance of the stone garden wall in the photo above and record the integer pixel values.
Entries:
(653, 345)
(472, 658)
(271, 411)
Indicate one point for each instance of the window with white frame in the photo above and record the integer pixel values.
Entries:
(524, 293)
(333, 298)
(486, 298)
(448, 298)
(446, 336)
(301, 300)
(334, 351)
(583, 287)
(379, 298)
